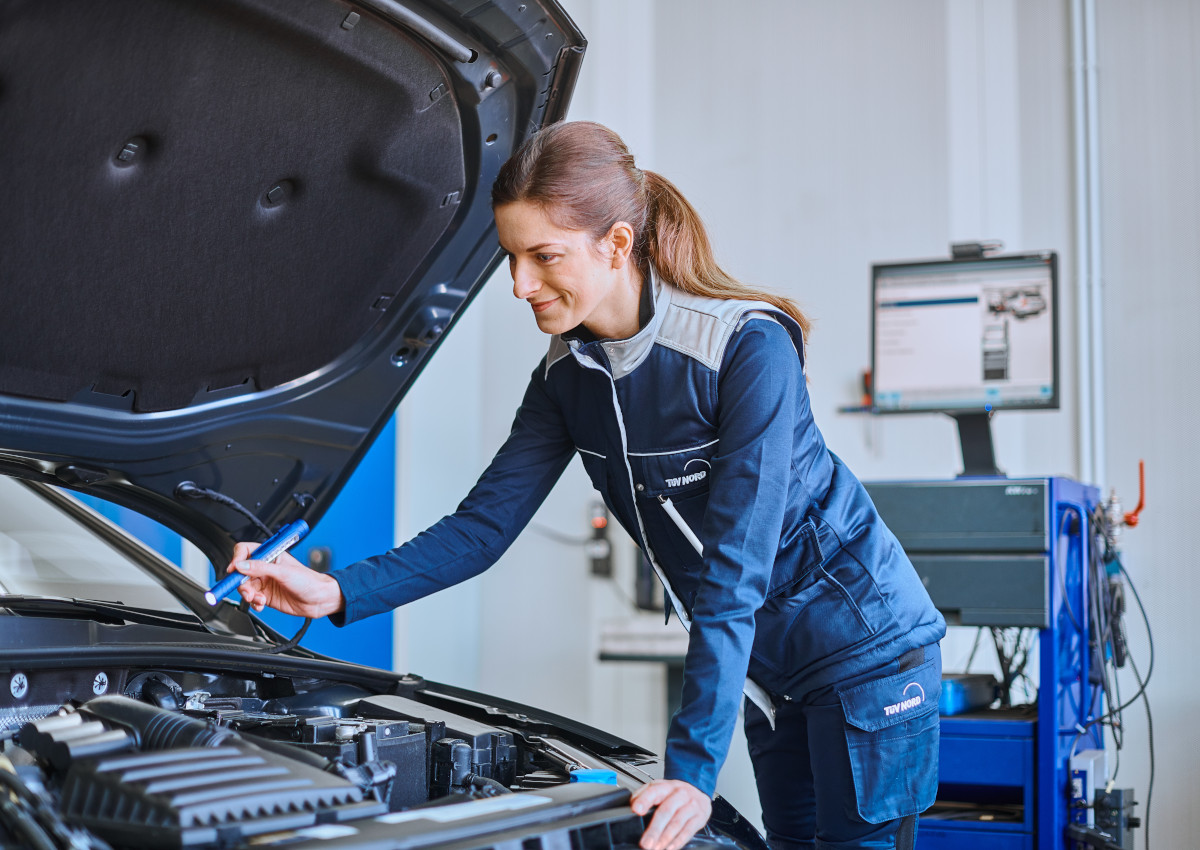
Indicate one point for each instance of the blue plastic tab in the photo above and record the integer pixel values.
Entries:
(601, 777)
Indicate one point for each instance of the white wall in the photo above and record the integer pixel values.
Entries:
(1149, 80)
(817, 137)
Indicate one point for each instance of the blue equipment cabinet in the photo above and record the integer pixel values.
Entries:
(1006, 552)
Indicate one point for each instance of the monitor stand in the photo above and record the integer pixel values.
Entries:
(975, 437)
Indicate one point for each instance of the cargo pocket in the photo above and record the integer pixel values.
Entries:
(892, 736)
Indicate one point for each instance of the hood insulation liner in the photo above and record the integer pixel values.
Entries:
(206, 194)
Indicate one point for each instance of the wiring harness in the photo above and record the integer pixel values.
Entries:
(1108, 643)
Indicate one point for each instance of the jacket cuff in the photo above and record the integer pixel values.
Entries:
(701, 776)
(348, 614)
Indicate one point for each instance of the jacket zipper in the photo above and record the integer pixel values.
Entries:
(754, 691)
(587, 362)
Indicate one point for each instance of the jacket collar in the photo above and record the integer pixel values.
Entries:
(624, 355)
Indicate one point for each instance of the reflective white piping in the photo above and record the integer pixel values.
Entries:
(677, 452)
(593, 454)
(681, 523)
(755, 692)
(588, 363)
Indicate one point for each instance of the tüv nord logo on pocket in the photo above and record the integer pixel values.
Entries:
(918, 697)
(690, 477)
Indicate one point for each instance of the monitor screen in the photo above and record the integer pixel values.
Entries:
(965, 335)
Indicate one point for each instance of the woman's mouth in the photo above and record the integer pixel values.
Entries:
(539, 306)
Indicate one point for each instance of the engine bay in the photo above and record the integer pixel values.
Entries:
(185, 758)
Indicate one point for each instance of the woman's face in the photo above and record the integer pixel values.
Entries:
(568, 278)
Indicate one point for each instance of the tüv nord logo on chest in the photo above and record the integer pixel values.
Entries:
(909, 702)
(691, 477)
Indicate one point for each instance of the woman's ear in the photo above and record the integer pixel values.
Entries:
(620, 236)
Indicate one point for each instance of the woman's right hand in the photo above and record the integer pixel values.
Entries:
(285, 585)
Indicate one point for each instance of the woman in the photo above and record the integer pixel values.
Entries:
(683, 391)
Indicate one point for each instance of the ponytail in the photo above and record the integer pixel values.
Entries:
(584, 177)
(680, 251)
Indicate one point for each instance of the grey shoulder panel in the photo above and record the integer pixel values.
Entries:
(755, 314)
(702, 327)
(771, 317)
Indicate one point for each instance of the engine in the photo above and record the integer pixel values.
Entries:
(184, 760)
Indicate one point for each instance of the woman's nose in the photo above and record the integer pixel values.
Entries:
(524, 284)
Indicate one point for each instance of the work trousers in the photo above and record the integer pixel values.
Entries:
(851, 765)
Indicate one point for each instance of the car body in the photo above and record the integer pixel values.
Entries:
(233, 233)
(1025, 303)
(1022, 303)
(135, 714)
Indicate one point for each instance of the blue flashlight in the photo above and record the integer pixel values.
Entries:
(274, 546)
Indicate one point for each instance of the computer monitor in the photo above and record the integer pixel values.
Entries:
(966, 337)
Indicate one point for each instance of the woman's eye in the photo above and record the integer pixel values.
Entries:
(544, 258)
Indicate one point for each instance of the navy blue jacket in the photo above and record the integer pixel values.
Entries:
(800, 584)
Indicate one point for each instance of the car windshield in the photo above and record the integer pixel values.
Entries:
(46, 552)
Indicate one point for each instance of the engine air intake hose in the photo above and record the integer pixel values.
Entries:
(157, 728)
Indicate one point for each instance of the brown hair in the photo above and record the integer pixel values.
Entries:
(584, 175)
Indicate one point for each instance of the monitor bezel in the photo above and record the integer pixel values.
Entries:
(1053, 402)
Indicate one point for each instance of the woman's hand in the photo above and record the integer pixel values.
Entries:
(682, 810)
(285, 585)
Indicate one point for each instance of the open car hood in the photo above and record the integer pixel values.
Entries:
(234, 230)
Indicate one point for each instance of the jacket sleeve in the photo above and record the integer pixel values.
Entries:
(471, 539)
(758, 394)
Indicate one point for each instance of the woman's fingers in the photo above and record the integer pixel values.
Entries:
(242, 550)
(652, 838)
(285, 584)
(649, 796)
(252, 591)
(682, 809)
(255, 569)
(685, 823)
